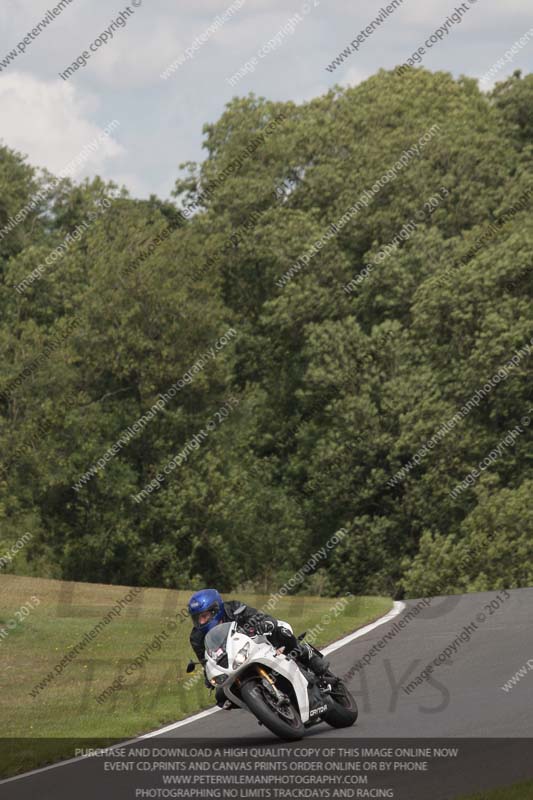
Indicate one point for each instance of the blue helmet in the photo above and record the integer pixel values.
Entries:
(206, 600)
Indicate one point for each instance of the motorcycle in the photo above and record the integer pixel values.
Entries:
(284, 696)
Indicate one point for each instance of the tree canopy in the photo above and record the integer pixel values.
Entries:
(313, 414)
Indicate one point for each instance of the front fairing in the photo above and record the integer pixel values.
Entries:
(261, 652)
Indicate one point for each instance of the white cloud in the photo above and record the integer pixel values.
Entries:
(47, 121)
(161, 121)
(133, 57)
(132, 181)
(354, 76)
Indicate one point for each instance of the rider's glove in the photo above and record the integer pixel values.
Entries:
(265, 626)
(285, 632)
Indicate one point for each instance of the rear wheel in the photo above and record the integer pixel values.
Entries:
(343, 710)
(282, 719)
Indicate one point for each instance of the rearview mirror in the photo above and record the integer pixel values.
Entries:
(302, 636)
(191, 666)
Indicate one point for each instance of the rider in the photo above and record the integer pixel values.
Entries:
(207, 609)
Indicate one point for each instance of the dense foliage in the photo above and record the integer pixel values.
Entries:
(330, 392)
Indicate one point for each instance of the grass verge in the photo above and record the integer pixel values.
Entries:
(42, 702)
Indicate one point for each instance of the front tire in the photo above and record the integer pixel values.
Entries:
(343, 710)
(254, 694)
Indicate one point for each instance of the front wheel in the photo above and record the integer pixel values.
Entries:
(343, 710)
(283, 720)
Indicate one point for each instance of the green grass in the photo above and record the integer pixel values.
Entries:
(153, 696)
(521, 791)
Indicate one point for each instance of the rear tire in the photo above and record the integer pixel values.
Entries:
(252, 693)
(343, 710)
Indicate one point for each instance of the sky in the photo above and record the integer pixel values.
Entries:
(287, 44)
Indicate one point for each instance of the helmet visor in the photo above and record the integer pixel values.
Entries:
(201, 618)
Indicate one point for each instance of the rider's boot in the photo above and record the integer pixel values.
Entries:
(316, 662)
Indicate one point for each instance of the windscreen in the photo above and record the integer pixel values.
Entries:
(216, 638)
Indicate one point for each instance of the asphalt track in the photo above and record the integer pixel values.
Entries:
(462, 700)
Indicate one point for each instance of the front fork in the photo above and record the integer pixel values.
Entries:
(270, 684)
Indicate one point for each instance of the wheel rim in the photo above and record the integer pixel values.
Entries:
(340, 695)
(286, 712)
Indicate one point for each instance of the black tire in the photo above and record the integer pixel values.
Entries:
(253, 695)
(343, 710)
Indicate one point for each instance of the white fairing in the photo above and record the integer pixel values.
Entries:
(260, 652)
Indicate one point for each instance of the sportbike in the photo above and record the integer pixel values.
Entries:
(283, 695)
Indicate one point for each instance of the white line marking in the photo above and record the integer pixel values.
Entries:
(397, 608)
